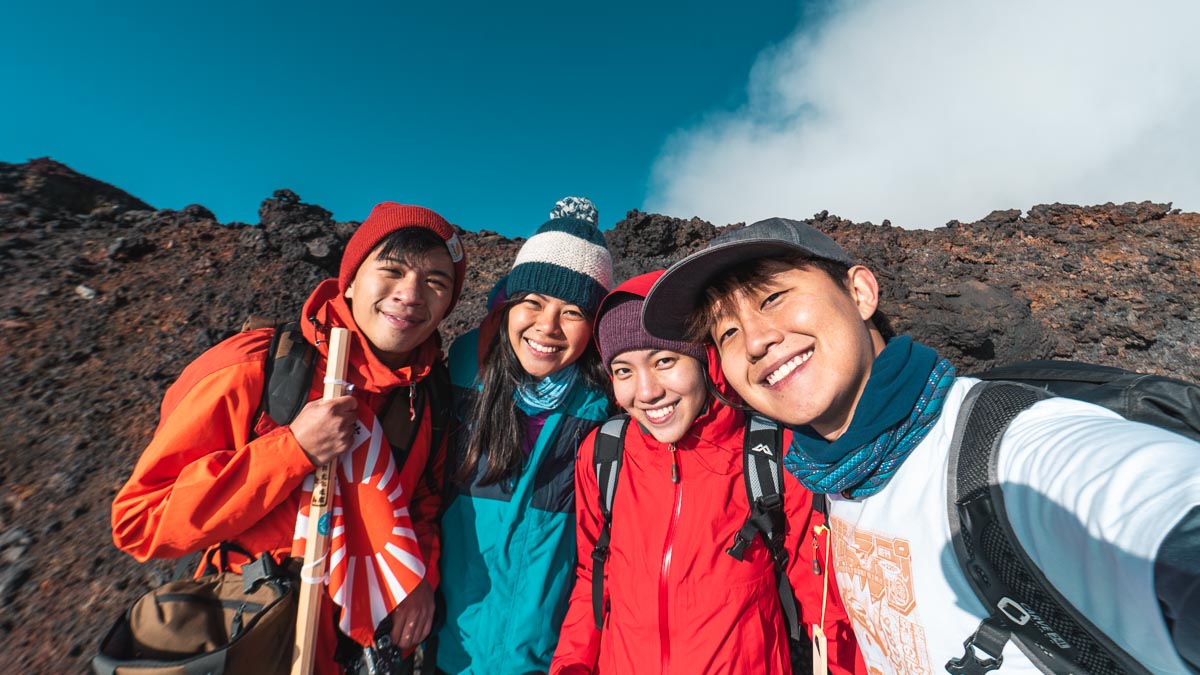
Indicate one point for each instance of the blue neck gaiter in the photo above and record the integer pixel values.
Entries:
(549, 393)
(899, 405)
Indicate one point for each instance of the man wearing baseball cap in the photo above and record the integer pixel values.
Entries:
(220, 469)
(1107, 509)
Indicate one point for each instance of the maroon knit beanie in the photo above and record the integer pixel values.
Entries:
(386, 218)
(619, 330)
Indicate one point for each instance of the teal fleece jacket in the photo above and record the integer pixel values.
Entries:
(508, 556)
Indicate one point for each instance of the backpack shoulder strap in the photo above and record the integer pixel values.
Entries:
(288, 375)
(763, 473)
(1165, 402)
(608, 453)
(762, 469)
(1022, 604)
(441, 401)
(403, 408)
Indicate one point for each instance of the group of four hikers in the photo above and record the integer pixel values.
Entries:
(530, 538)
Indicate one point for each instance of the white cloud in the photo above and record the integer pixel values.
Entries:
(922, 111)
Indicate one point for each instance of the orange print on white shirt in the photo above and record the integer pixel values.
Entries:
(874, 574)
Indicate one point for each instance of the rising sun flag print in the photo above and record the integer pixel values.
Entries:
(374, 560)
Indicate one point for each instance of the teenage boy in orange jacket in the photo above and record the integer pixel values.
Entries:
(220, 470)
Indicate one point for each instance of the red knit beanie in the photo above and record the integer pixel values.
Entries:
(388, 217)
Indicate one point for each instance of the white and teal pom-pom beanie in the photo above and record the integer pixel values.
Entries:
(567, 258)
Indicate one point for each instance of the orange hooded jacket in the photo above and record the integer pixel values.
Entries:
(212, 473)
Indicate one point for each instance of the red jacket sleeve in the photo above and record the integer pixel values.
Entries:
(202, 480)
(579, 641)
(807, 542)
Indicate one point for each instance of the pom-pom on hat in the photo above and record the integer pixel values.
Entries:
(576, 207)
(388, 217)
(567, 258)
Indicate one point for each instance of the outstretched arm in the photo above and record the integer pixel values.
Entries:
(1177, 584)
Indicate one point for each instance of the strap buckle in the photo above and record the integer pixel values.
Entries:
(600, 553)
(742, 539)
(738, 549)
(982, 641)
(263, 568)
(769, 502)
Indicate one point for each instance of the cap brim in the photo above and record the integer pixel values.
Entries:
(678, 294)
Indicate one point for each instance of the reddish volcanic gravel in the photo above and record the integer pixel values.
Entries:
(106, 299)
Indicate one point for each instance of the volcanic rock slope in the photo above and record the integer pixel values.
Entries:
(106, 299)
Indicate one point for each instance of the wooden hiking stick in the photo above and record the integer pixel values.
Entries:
(312, 575)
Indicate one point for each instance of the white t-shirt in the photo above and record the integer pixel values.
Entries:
(1090, 497)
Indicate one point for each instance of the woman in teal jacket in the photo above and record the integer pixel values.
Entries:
(529, 386)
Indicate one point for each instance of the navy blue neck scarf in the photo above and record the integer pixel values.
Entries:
(902, 400)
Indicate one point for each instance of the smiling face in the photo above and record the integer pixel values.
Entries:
(547, 334)
(799, 347)
(662, 390)
(398, 303)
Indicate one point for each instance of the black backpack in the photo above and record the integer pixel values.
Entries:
(1024, 607)
(762, 463)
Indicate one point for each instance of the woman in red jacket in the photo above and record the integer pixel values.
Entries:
(674, 600)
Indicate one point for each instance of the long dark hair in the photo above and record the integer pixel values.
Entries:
(497, 430)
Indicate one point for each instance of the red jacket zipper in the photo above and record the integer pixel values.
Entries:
(664, 631)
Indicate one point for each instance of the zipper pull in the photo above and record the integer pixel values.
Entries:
(816, 564)
(674, 466)
(412, 409)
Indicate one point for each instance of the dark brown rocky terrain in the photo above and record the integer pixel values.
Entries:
(104, 300)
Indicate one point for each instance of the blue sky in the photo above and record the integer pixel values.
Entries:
(916, 111)
(487, 112)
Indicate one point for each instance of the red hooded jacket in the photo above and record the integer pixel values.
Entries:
(205, 478)
(677, 602)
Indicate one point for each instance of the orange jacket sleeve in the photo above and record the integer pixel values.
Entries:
(579, 641)
(202, 480)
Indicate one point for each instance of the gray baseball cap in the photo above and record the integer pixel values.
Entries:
(678, 293)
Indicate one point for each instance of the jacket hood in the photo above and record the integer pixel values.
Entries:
(718, 376)
(639, 286)
(327, 308)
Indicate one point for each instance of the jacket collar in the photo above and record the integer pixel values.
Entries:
(326, 308)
